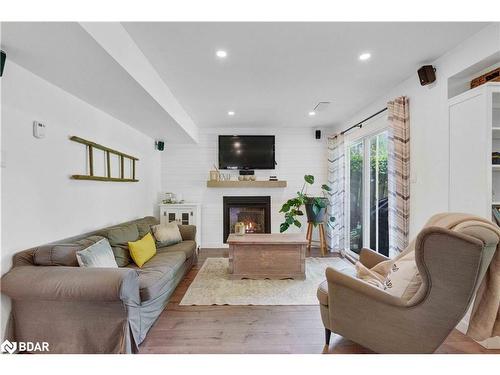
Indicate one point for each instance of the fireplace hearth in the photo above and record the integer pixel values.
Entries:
(253, 211)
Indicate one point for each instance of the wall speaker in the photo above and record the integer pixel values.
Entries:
(160, 145)
(426, 74)
(318, 134)
(3, 57)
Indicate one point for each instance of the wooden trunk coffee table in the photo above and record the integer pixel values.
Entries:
(267, 256)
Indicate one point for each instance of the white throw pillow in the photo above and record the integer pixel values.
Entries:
(403, 279)
(99, 254)
(167, 234)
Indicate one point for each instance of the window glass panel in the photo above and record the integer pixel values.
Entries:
(356, 196)
(379, 231)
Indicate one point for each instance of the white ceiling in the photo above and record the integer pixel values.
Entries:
(67, 56)
(275, 73)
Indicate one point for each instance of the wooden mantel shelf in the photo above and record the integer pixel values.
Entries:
(246, 184)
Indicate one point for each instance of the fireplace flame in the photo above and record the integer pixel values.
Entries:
(249, 227)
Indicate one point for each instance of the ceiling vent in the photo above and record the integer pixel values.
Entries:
(321, 106)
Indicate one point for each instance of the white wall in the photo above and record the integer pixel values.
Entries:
(40, 203)
(185, 170)
(429, 124)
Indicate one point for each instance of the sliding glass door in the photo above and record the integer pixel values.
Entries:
(367, 193)
(379, 221)
(356, 156)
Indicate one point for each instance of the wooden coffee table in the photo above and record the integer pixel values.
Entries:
(267, 256)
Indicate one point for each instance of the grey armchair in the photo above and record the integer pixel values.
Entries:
(451, 263)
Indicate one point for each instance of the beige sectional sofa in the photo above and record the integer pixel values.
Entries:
(93, 310)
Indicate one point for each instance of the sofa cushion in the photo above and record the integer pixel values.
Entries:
(187, 247)
(99, 254)
(322, 292)
(403, 280)
(156, 273)
(399, 277)
(118, 238)
(167, 234)
(188, 232)
(63, 254)
(144, 225)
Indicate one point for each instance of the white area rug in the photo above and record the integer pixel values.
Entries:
(212, 285)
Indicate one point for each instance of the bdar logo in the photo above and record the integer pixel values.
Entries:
(8, 347)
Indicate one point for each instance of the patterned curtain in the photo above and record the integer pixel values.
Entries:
(336, 181)
(399, 174)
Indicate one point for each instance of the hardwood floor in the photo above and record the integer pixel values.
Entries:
(255, 329)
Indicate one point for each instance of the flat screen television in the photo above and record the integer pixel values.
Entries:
(246, 152)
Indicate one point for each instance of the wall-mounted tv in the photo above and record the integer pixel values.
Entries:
(246, 152)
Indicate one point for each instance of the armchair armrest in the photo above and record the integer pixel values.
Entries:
(188, 232)
(370, 258)
(56, 283)
(358, 286)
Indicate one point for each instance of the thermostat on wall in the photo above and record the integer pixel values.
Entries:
(38, 129)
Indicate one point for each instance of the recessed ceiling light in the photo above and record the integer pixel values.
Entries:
(365, 56)
(312, 113)
(221, 54)
(230, 113)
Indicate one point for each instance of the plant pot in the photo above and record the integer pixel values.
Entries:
(313, 217)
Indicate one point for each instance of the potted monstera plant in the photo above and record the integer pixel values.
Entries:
(315, 206)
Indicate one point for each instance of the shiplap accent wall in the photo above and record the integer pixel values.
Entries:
(185, 170)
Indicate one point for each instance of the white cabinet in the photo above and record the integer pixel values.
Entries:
(183, 213)
(474, 182)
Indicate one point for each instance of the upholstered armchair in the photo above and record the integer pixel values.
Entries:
(451, 263)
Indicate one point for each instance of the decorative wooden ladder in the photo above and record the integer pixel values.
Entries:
(108, 151)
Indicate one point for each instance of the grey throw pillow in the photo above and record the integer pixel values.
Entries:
(167, 234)
(99, 254)
(144, 225)
(118, 238)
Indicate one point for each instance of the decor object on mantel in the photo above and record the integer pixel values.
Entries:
(246, 184)
(215, 175)
(247, 178)
(107, 152)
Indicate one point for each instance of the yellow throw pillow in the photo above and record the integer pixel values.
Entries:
(142, 250)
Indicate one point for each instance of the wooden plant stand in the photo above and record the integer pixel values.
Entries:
(322, 239)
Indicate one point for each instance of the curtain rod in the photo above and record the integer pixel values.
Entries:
(360, 124)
